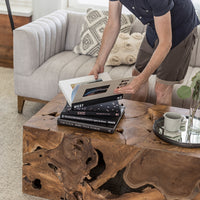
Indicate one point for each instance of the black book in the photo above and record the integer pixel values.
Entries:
(84, 118)
(110, 108)
(108, 128)
(97, 101)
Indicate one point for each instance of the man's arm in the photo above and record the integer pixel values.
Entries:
(164, 32)
(110, 34)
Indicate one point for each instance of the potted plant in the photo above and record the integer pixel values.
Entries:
(193, 92)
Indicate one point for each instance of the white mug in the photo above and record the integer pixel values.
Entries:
(172, 121)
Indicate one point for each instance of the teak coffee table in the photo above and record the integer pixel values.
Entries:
(68, 163)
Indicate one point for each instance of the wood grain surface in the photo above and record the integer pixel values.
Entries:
(6, 39)
(62, 162)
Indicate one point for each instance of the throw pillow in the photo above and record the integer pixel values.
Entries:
(92, 31)
(125, 49)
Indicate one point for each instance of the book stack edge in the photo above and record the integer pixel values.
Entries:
(100, 117)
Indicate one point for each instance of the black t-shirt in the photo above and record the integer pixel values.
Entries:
(183, 16)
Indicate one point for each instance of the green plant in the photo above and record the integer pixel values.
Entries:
(193, 91)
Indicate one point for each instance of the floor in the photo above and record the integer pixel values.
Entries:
(11, 124)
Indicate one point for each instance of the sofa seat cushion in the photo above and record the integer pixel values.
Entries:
(43, 82)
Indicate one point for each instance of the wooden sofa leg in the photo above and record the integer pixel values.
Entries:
(21, 101)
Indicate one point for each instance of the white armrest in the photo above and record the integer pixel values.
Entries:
(37, 41)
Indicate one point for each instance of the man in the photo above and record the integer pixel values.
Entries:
(166, 48)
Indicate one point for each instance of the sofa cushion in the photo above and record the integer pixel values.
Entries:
(43, 82)
(125, 49)
(75, 20)
(92, 31)
(138, 27)
(195, 59)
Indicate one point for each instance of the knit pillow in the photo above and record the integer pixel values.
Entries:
(92, 31)
(125, 49)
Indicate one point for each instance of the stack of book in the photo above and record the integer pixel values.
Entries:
(92, 104)
(100, 117)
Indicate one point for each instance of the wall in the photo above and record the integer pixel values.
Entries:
(44, 7)
(18, 7)
(197, 6)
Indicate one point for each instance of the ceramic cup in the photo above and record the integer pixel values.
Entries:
(172, 121)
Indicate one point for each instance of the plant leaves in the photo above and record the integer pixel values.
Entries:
(195, 79)
(196, 91)
(184, 92)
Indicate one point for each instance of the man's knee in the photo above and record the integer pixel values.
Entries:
(162, 90)
(163, 94)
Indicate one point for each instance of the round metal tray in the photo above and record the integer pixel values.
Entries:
(179, 138)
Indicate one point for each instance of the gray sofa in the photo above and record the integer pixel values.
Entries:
(43, 55)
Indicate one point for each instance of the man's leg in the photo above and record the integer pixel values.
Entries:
(163, 94)
(174, 68)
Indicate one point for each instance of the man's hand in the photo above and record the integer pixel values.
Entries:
(96, 70)
(132, 87)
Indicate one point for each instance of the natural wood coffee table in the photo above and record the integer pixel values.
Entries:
(61, 162)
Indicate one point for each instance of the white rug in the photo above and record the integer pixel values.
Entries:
(11, 138)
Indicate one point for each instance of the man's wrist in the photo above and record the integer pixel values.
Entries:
(143, 77)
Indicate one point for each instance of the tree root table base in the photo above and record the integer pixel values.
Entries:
(68, 163)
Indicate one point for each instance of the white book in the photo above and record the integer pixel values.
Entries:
(83, 91)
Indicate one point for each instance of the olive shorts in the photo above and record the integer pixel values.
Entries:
(174, 67)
